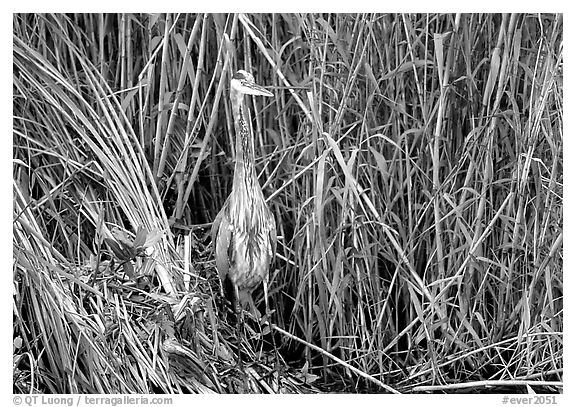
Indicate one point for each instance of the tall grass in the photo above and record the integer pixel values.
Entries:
(413, 164)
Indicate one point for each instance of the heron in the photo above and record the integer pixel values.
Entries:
(244, 231)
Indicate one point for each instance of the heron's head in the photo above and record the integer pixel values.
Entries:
(243, 83)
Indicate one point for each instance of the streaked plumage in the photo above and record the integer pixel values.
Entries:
(245, 234)
(244, 231)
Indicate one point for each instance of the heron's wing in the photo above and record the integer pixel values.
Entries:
(272, 237)
(221, 240)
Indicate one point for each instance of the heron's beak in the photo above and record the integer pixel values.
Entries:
(253, 89)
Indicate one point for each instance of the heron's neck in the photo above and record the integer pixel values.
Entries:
(244, 170)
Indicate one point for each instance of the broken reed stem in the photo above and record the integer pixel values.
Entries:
(335, 358)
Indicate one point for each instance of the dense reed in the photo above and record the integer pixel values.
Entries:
(413, 164)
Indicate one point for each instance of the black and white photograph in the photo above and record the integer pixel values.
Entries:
(287, 203)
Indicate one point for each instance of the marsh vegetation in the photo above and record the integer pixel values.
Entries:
(413, 164)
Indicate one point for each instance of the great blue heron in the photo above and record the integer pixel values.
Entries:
(244, 231)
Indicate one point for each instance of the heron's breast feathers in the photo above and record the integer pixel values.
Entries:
(245, 243)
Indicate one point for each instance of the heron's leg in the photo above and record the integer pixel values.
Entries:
(253, 308)
(239, 321)
(256, 315)
(269, 318)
